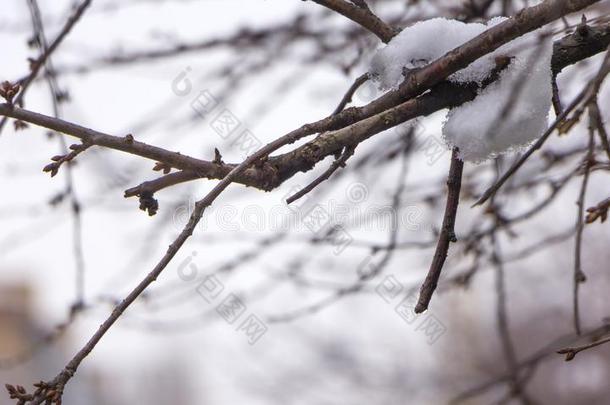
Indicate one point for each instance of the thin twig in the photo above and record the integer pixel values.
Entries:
(347, 98)
(579, 275)
(40, 62)
(536, 358)
(361, 14)
(537, 145)
(510, 357)
(599, 125)
(571, 352)
(348, 150)
(588, 92)
(75, 205)
(447, 235)
(373, 269)
(338, 163)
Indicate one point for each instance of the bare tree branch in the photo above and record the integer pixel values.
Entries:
(586, 94)
(447, 235)
(360, 13)
(579, 275)
(40, 62)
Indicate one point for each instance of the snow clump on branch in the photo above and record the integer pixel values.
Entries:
(508, 114)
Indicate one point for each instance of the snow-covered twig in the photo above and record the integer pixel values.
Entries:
(589, 91)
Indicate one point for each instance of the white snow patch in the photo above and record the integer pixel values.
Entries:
(425, 42)
(506, 115)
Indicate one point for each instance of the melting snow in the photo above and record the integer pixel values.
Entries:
(506, 115)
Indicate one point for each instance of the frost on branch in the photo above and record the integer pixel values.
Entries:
(506, 115)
